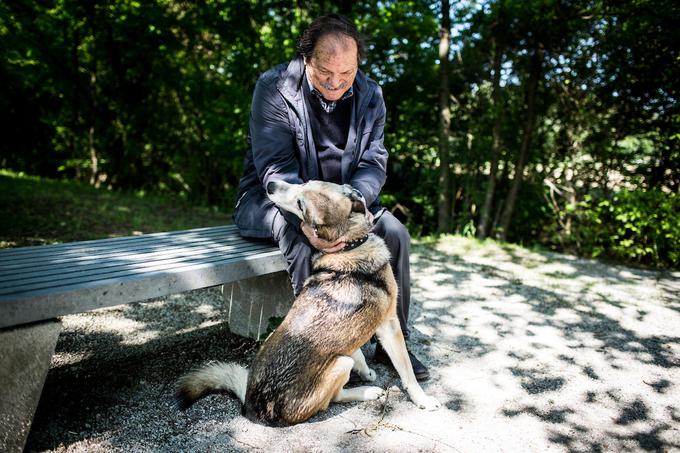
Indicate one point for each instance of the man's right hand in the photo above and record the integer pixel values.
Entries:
(318, 243)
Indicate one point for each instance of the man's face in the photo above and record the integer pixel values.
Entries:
(333, 66)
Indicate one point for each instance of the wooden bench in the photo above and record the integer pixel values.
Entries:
(40, 284)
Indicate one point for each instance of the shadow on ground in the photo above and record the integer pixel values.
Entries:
(573, 340)
(528, 350)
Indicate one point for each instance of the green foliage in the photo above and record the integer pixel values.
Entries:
(154, 97)
(165, 111)
(641, 227)
(36, 211)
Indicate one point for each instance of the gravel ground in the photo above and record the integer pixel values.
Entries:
(529, 351)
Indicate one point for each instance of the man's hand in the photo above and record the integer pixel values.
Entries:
(321, 244)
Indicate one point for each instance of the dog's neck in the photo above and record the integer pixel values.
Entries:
(367, 252)
(354, 232)
(351, 245)
(358, 229)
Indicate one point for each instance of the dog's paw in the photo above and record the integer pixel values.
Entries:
(369, 375)
(428, 403)
(373, 393)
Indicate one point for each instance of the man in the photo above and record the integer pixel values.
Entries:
(320, 118)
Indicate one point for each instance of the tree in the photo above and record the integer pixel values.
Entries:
(535, 73)
(498, 30)
(444, 183)
(539, 105)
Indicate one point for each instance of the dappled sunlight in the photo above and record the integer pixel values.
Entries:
(139, 325)
(89, 275)
(206, 310)
(562, 354)
(66, 358)
(563, 341)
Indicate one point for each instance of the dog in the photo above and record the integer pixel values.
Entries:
(351, 295)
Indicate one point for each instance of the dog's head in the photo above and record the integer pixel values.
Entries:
(333, 210)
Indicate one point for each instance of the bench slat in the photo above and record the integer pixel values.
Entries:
(53, 302)
(149, 252)
(42, 282)
(121, 247)
(8, 255)
(122, 267)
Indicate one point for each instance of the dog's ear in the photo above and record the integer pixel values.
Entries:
(307, 215)
(357, 199)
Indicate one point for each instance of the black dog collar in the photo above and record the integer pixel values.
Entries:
(350, 245)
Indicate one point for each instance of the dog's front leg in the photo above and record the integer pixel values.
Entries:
(392, 340)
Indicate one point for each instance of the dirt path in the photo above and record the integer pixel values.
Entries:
(529, 352)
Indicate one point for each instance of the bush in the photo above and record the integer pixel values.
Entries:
(640, 227)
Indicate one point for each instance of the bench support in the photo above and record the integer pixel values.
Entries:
(25, 354)
(252, 302)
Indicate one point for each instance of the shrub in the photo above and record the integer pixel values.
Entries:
(641, 227)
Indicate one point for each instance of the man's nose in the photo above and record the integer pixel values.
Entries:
(335, 81)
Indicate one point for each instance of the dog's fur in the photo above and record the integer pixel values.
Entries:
(350, 296)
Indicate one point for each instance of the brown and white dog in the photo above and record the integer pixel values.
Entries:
(350, 296)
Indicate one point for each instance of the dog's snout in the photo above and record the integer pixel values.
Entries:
(271, 188)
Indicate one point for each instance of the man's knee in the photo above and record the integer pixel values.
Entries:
(392, 230)
(296, 250)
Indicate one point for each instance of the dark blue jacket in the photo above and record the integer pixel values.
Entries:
(281, 145)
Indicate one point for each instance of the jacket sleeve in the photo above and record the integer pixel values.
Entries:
(371, 171)
(272, 139)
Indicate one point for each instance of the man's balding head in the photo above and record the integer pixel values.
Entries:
(329, 34)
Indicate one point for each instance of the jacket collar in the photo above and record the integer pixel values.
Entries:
(290, 86)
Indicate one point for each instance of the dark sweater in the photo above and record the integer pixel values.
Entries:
(329, 131)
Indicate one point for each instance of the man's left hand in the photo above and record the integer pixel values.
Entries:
(318, 243)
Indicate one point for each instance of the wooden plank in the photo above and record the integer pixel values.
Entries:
(43, 282)
(122, 269)
(65, 266)
(48, 255)
(94, 246)
(104, 242)
(53, 302)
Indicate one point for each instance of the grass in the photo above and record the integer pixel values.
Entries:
(36, 211)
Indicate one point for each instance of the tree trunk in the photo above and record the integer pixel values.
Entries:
(444, 185)
(500, 201)
(75, 109)
(94, 158)
(532, 86)
(657, 175)
(485, 215)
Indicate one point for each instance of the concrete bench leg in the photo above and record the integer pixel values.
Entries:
(252, 302)
(25, 354)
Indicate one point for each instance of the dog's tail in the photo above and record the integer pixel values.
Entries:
(211, 378)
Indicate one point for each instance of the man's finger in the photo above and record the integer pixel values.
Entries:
(318, 243)
(308, 231)
(335, 248)
(370, 217)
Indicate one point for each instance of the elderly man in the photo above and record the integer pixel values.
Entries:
(320, 117)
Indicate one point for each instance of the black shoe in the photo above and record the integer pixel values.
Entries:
(420, 370)
(354, 378)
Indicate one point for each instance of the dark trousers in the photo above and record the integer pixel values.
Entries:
(298, 253)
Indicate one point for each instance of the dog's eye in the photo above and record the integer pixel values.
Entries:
(299, 203)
